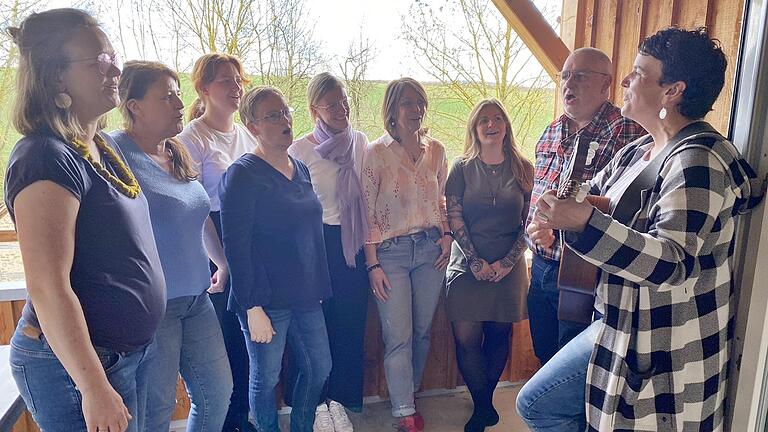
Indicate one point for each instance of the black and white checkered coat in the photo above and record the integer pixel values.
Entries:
(660, 362)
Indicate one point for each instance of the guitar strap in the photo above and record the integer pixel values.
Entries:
(629, 203)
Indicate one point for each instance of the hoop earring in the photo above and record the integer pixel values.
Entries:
(63, 100)
(662, 113)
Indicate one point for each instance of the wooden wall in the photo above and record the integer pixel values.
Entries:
(618, 26)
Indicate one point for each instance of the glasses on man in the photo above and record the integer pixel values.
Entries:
(105, 61)
(274, 117)
(577, 75)
(336, 106)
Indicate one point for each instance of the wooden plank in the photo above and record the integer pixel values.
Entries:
(535, 32)
(605, 26)
(657, 14)
(630, 21)
(690, 14)
(7, 236)
(573, 22)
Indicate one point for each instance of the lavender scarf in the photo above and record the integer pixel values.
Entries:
(354, 217)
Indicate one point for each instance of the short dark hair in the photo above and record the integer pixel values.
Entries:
(693, 57)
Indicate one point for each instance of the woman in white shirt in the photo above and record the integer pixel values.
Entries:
(214, 141)
(333, 151)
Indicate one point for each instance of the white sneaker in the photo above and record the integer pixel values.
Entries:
(323, 421)
(341, 422)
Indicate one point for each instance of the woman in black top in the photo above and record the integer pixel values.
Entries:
(488, 192)
(96, 288)
(272, 230)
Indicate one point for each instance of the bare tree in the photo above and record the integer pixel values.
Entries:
(353, 68)
(287, 51)
(228, 26)
(471, 49)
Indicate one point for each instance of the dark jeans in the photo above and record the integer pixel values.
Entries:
(235, 345)
(303, 330)
(548, 333)
(345, 315)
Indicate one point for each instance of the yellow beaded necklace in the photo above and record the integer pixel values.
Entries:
(126, 183)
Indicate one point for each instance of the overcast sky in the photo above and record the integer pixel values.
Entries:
(338, 23)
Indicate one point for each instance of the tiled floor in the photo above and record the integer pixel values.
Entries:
(442, 413)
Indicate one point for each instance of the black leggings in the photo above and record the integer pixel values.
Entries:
(482, 348)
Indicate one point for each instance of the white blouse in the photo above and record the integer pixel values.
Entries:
(324, 172)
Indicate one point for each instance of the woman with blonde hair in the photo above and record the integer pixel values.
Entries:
(333, 152)
(272, 225)
(214, 141)
(488, 192)
(95, 285)
(409, 240)
(189, 339)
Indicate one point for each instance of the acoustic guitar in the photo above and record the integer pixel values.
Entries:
(578, 279)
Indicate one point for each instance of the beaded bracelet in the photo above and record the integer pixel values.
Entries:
(372, 267)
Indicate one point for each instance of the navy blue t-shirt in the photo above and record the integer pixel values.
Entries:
(116, 272)
(272, 230)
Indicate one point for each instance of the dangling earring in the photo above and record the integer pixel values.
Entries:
(662, 113)
(63, 100)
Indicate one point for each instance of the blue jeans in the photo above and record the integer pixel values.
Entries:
(548, 333)
(553, 399)
(189, 341)
(304, 331)
(50, 394)
(406, 317)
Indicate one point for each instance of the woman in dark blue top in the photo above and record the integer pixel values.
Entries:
(96, 288)
(272, 230)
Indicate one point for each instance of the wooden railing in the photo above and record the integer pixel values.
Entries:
(6, 236)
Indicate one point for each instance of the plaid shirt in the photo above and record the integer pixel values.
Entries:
(661, 358)
(608, 128)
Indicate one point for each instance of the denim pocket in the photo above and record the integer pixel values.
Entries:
(109, 359)
(20, 376)
(384, 246)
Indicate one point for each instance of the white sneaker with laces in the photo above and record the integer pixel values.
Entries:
(341, 422)
(323, 420)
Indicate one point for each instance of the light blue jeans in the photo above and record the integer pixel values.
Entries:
(406, 317)
(553, 399)
(52, 397)
(189, 341)
(303, 330)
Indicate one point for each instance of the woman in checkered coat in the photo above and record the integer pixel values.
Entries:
(661, 356)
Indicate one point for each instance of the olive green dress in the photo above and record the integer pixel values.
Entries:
(494, 212)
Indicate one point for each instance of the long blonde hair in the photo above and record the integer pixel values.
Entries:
(134, 83)
(522, 169)
(204, 72)
(41, 39)
(391, 103)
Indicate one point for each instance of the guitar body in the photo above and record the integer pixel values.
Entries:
(578, 279)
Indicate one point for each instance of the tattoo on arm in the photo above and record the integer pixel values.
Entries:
(514, 254)
(456, 221)
(519, 247)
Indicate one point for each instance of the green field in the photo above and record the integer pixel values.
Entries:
(446, 117)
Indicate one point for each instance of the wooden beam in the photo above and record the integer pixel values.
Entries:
(535, 32)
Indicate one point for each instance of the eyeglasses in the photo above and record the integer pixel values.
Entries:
(578, 76)
(105, 62)
(336, 106)
(274, 117)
